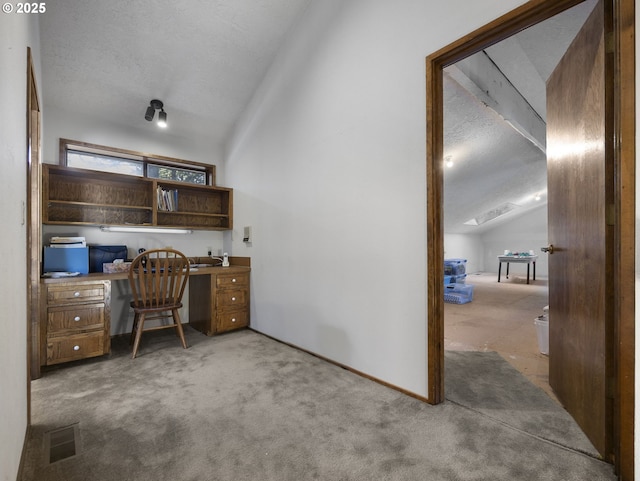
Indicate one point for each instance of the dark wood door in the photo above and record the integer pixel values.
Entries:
(578, 155)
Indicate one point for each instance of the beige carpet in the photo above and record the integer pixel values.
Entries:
(244, 407)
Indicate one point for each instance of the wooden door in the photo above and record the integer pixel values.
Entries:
(579, 181)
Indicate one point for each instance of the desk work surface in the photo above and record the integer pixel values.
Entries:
(114, 276)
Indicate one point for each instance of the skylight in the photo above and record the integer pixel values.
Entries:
(492, 214)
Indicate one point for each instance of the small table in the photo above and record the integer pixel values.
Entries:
(519, 259)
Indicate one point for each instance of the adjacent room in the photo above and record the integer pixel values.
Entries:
(496, 191)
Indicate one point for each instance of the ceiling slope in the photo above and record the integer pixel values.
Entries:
(494, 124)
(202, 58)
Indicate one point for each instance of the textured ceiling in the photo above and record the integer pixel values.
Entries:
(494, 163)
(205, 58)
(202, 58)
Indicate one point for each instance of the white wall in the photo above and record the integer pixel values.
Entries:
(17, 32)
(522, 234)
(465, 246)
(329, 169)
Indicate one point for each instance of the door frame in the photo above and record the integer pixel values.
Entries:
(623, 43)
(34, 141)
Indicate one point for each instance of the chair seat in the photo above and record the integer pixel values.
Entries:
(148, 307)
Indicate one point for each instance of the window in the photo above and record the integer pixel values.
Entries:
(176, 173)
(104, 163)
(108, 159)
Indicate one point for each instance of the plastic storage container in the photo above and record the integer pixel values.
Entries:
(455, 267)
(449, 279)
(458, 293)
(542, 330)
(459, 279)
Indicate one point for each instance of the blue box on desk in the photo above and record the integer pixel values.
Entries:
(71, 259)
(99, 255)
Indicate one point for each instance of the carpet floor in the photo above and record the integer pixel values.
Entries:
(242, 406)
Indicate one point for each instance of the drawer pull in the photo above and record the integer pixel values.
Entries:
(76, 294)
(76, 348)
(233, 298)
(233, 280)
(77, 318)
(233, 320)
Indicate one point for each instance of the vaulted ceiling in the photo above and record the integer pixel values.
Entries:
(202, 58)
(205, 58)
(495, 130)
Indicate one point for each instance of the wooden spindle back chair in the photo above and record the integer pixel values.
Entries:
(157, 278)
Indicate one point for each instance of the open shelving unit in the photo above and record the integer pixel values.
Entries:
(73, 196)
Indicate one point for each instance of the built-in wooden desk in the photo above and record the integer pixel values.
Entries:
(75, 312)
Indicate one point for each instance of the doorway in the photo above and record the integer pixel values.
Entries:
(495, 189)
(622, 207)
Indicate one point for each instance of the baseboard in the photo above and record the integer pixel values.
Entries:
(27, 435)
(348, 368)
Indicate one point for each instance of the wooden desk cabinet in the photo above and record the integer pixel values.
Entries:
(75, 313)
(75, 321)
(228, 306)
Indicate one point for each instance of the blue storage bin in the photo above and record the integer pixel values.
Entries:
(455, 267)
(449, 279)
(458, 279)
(458, 293)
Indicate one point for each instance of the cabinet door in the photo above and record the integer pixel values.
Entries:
(232, 298)
(75, 293)
(75, 318)
(72, 348)
(229, 320)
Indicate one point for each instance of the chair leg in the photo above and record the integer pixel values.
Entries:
(139, 328)
(178, 323)
(134, 328)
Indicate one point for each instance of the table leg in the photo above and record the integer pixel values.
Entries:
(499, 269)
(528, 272)
(534, 270)
(507, 270)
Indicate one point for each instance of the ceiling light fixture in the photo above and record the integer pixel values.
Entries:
(154, 105)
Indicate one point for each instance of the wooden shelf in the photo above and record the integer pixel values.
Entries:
(85, 197)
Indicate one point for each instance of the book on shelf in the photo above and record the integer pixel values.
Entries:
(167, 199)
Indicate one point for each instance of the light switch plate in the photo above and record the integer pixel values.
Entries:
(247, 234)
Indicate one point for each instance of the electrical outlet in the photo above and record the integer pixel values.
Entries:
(209, 251)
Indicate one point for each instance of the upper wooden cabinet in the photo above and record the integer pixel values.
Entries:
(73, 196)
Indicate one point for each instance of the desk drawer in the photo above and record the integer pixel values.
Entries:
(75, 293)
(229, 320)
(72, 348)
(75, 318)
(231, 298)
(224, 281)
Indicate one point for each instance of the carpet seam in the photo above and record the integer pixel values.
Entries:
(539, 438)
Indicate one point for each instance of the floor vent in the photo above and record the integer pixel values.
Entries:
(61, 443)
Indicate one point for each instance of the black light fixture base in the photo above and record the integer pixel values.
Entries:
(157, 104)
(154, 105)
